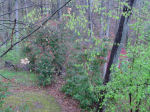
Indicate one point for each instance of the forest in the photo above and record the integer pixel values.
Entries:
(74, 55)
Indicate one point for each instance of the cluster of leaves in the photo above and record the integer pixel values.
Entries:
(84, 73)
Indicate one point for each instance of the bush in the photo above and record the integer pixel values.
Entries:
(46, 53)
(79, 88)
(45, 69)
(84, 73)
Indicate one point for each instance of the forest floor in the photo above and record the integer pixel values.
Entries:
(27, 96)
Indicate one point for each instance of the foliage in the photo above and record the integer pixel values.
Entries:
(130, 84)
(79, 88)
(129, 87)
(45, 69)
(84, 73)
(46, 54)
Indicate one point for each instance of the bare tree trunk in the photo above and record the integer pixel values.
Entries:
(90, 16)
(26, 5)
(9, 9)
(102, 21)
(53, 7)
(108, 18)
(41, 5)
(47, 6)
(3, 11)
(17, 18)
(60, 11)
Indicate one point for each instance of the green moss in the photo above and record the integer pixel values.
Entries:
(32, 102)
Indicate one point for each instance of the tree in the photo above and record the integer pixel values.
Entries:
(17, 18)
(90, 16)
(60, 11)
(116, 47)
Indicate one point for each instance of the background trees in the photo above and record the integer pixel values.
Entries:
(77, 41)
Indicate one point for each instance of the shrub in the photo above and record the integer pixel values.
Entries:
(80, 88)
(84, 73)
(46, 54)
(45, 69)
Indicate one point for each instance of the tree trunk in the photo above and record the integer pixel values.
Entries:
(101, 35)
(9, 9)
(115, 49)
(107, 35)
(108, 18)
(26, 5)
(17, 18)
(119, 39)
(90, 16)
(60, 11)
(41, 5)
